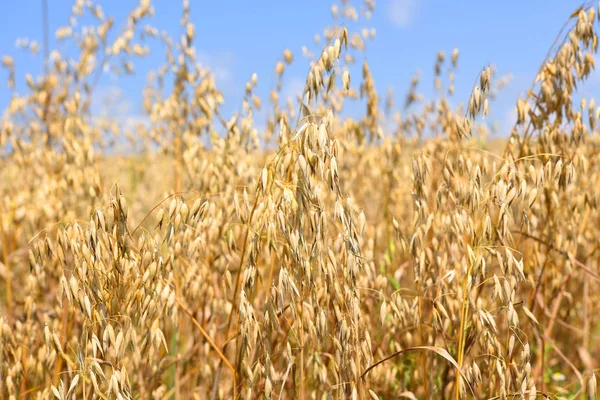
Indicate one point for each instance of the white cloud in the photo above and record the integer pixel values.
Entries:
(292, 89)
(401, 12)
(220, 65)
(133, 121)
(110, 100)
(509, 120)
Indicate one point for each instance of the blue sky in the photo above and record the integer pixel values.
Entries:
(236, 38)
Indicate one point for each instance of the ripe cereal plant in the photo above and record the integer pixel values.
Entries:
(220, 260)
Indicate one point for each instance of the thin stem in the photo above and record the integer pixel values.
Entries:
(212, 344)
(462, 333)
(237, 286)
(8, 277)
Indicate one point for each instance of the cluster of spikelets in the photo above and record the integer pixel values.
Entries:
(395, 254)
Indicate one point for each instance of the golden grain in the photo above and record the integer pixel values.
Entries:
(393, 254)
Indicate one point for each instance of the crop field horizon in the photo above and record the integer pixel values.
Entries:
(319, 239)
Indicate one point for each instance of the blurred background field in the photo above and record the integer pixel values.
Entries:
(299, 200)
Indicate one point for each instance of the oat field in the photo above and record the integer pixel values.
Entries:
(399, 253)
